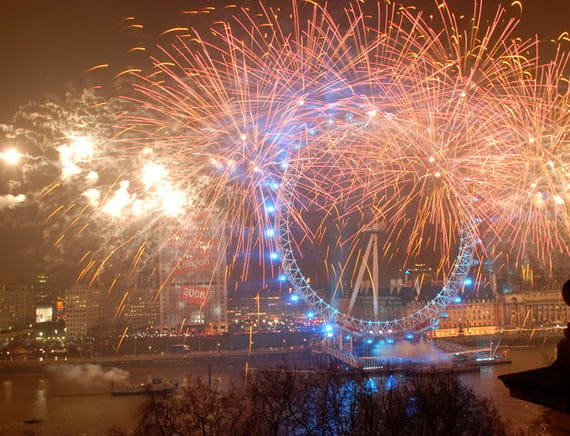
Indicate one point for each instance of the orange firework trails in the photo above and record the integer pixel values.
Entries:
(365, 113)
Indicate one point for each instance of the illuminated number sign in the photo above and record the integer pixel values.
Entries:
(193, 294)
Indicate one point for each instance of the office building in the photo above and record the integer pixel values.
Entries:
(193, 282)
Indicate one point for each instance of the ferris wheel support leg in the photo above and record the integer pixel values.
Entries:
(359, 277)
(375, 276)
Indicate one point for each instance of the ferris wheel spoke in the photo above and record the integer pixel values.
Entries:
(419, 320)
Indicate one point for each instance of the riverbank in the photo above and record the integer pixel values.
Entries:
(194, 358)
(505, 339)
(77, 399)
(239, 351)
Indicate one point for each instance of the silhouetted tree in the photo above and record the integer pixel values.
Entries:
(380, 406)
(441, 404)
(160, 415)
(209, 411)
(273, 396)
(327, 403)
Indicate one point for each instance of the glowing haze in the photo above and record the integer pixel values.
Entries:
(374, 114)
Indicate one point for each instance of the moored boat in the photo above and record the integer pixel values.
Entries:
(155, 387)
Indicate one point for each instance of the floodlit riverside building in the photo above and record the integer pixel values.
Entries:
(525, 310)
(469, 315)
(547, 386)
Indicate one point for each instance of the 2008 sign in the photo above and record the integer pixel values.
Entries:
(194, 293)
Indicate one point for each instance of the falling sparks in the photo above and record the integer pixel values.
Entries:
(376, 116)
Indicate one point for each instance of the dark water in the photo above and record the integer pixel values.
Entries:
(76, 400)
(520, 413)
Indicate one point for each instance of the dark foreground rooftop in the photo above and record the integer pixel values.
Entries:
(548, 386)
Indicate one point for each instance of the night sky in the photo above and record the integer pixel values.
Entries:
(48, 46)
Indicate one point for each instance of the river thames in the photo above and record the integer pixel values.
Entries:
(75, 399)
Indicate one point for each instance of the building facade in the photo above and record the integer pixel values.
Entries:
(17, 306)
(193, 278)
(85, 311)
(141, 309)
(532, 310)
(515, 311)
(468, 318)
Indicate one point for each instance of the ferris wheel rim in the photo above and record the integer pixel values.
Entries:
(419, 320)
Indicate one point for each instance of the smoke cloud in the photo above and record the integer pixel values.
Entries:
(419, 352)
(90, 374)
(10, 201)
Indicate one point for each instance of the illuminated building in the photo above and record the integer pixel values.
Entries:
(18, 306)
(468, 318)
(141, 309)
(49, 303)
(525, 310)
(45, 291)
(193, 282)
(532, 310)
(84, 311)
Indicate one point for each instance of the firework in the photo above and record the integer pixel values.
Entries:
(383, 113)
(371, 115)
(531, 174)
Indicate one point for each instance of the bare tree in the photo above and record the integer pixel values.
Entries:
(273, 398)
(441, 404)
(284, 402)
(209, 411)
(159, 415)
(380, 405)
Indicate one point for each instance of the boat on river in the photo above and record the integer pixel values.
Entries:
(156, 387)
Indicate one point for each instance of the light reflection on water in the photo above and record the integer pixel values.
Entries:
(7, 390)
(520, 413)
(67, 406)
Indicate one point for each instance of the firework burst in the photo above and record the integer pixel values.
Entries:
(375, 113)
